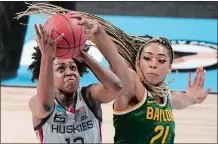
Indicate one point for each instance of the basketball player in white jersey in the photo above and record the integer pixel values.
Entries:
(62, 111)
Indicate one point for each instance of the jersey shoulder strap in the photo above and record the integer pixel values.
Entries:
(93, 105)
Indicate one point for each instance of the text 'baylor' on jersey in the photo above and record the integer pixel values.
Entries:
(145, 123)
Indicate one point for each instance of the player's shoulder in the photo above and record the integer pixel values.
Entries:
(32, 97)
(32, 101)
(87, 89)
(85, 93)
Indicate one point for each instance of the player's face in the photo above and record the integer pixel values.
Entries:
(155, 63)
(66, 75)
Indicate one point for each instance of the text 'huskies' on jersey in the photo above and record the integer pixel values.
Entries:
(70, 126)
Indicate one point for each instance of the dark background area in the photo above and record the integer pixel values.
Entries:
(12, 33)
(194, 9)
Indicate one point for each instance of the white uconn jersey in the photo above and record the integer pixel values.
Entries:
(71, 126)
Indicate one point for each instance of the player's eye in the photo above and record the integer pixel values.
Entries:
(60, 69)
(146, 58)
(162, 61)
(73, 68)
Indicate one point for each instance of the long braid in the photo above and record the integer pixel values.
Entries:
(128, 46)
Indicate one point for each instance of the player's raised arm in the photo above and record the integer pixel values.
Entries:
(109, 87)
(42, 103)
(107, 47)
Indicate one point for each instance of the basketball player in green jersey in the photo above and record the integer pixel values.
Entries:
(143, 112)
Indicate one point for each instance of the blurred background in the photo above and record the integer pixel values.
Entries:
(191, 27)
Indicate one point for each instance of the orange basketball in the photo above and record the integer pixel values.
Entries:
(74, 35)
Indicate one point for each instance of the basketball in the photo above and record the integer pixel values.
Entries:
(74, 36)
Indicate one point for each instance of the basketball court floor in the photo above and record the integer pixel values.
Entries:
(196, 124)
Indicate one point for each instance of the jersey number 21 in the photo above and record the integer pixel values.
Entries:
(163, 131)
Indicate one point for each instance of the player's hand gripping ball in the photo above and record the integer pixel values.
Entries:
(74, 38)
(92, 27)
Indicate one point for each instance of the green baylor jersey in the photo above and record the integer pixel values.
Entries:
(145, 123)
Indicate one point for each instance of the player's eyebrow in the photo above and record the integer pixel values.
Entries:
(161, 54)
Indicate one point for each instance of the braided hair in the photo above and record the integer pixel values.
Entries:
(161, 91)
(128, 46)
(34, 67)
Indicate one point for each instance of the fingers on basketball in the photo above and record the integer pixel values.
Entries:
(76, 15)
(72, 12)
(93, 25)
(37, 32)
(42, 32)
(47, 37)
(50, 37)
(58, 39)
(81, 19)
(95, 28)
(52, 33)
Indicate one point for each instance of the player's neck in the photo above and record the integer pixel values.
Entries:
(66, 99)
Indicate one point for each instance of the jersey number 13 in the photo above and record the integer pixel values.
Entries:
(76, 140)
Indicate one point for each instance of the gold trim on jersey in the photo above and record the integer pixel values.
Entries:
(128, 110)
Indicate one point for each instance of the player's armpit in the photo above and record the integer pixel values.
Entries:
(137, 92)
(99, 93)
(38, 109)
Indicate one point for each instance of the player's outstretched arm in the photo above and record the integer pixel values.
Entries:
(107, 47)
(109, 87)
(41, 104)
(194, 94)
